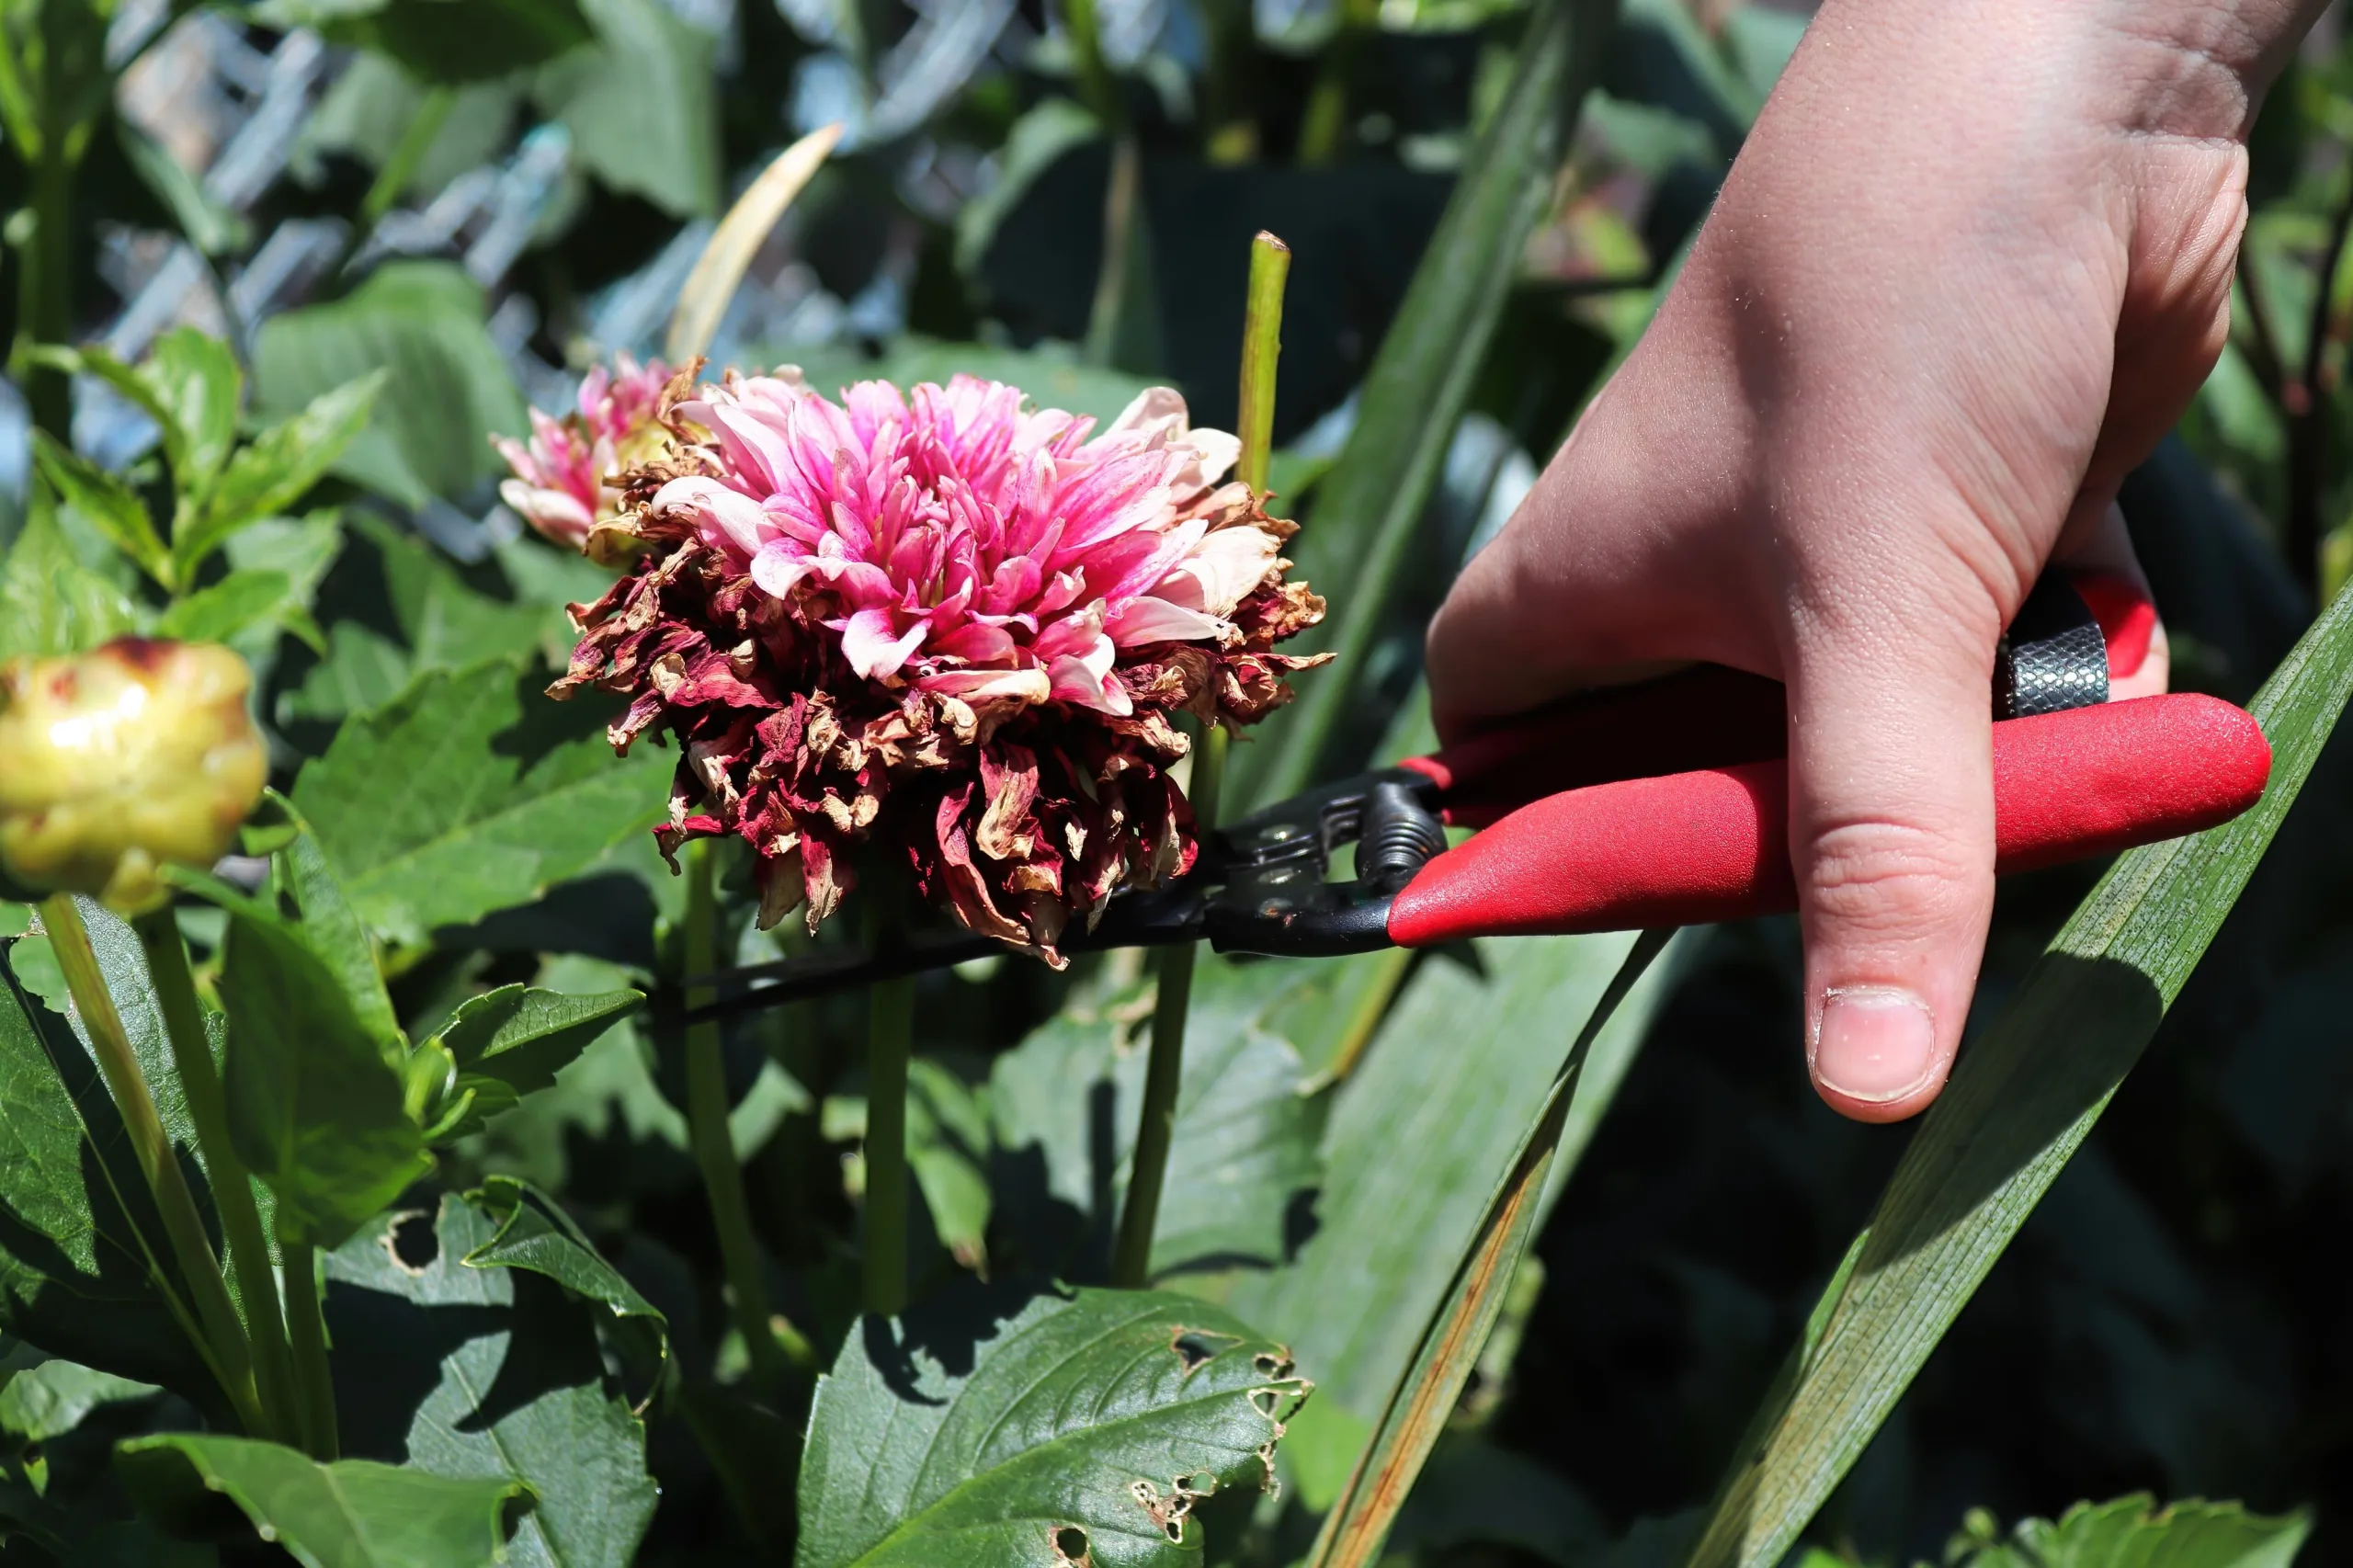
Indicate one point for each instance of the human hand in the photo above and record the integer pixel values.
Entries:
(1969, 266)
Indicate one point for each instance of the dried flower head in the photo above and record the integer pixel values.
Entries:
(563, 483)
(117, 762)
(945, 623)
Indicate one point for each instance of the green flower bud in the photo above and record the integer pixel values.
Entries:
(117, 762)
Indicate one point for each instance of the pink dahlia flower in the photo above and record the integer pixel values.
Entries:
(563, 479)
(947, 623)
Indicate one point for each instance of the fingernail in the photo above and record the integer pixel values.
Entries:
(1877, 1043)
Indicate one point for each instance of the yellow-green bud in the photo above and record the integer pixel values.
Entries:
(117, 762)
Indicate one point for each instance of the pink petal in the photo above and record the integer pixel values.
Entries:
(873, 650)
(735, 517)
(1150, 619)
(779, 567)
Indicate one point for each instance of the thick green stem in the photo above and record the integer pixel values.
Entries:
(714, 1148)
(232, 1193)
(1262, 330)
(224, 1337)
(44, 283)
(306, 1330)
(1262, 346)
(890, 1031)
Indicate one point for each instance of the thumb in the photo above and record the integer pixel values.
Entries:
(1892, 839)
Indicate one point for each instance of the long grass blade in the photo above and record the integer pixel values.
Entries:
(1420, 1404)
(2025, 1097)
(718, 271)
(1367, 510)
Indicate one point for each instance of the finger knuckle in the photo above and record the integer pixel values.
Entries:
(1883, 874)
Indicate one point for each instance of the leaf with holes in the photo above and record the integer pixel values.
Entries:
(987, 1431)
(490, 1371)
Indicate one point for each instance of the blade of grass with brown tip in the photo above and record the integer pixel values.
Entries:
(1425, 1396)
(718, 271)
(2023, 1100)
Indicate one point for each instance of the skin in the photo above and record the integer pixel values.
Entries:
(1969, 266)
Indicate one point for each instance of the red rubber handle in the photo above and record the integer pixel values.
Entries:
(1712, 845)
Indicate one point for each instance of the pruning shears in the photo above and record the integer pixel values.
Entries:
(1662, 803)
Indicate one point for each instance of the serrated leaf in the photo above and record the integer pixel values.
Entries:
(75, 1277)
(277, 468)
(2025, 1094)
(236, 604)
(986, 1430)
(444, 622)
(447, 386)
(1245, 1128)
(331, 929)
(351, 1514)
(535, 1233)
(314, 1108)
(512, 1381)
(196, 387)
(2132, 1532)
(50, 602)
(104, 502)
(471, 793)
(510, 1042)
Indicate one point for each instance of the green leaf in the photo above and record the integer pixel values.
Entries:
(1246, 1127)
(442, 40)
(446, 623)
(456, 799)
(511, 1041)
(351, 1514)
(2021, 1101)
(331, 929)
(641, 107)
(316, 1109)
(446, 384)
(208, 223)
(277, 468)
(1424, 1396)
(981, 1430)
(370, 110)
(1039, 140)
(2131, 1531)
(106, 503)
(236, 604)
(1391, 1232)
(51, 1399)
(197, 387)
(535, 1233)
(515, 1390)
(77, 1278)
(1367, 509)
(50, 602)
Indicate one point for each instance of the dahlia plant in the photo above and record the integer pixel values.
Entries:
(942, 623)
